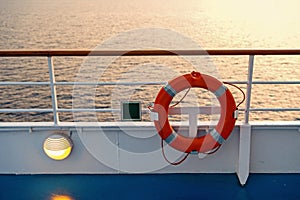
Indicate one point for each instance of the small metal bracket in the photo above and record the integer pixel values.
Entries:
(236, 114)
(153, 116)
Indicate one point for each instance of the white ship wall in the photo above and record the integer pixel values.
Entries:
(274, 148)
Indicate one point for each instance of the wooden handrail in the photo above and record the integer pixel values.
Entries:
(88, 52)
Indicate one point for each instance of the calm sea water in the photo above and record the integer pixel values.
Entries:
(66, 24)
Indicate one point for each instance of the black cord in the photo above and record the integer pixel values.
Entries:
(172, 163)
(244, 95)
(214, 150)
(178, 102)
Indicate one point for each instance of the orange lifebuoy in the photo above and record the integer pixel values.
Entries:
(209, 141)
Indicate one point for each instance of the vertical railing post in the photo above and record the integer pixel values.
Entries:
(249, 88)
(53, 91)
(243, 167)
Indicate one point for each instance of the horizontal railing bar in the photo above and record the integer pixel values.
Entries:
(63, 110)
(110, 83)
(59, 110)
(83, 83)
(140, 83)
(173, 111)
(37, 110)
(266, 82)
(24, 83)
(89, 110)
(276, 82)
(29, 53)
(49, 126)
(275, 109)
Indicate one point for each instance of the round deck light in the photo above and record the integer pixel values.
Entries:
(58, 146)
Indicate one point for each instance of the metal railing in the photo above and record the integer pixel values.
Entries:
(72, 53)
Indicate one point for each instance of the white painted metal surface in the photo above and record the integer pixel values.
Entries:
(243, 166)
(53, 90)
(273, 149)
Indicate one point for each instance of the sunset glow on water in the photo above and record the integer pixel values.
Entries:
(215, 24)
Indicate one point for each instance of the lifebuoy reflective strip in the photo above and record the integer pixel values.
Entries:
(212, 139)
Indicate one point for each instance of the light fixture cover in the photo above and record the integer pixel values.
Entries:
(58, 146)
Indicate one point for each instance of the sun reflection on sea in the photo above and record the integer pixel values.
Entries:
(255, 9)
(274, 21)
(61, 197)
